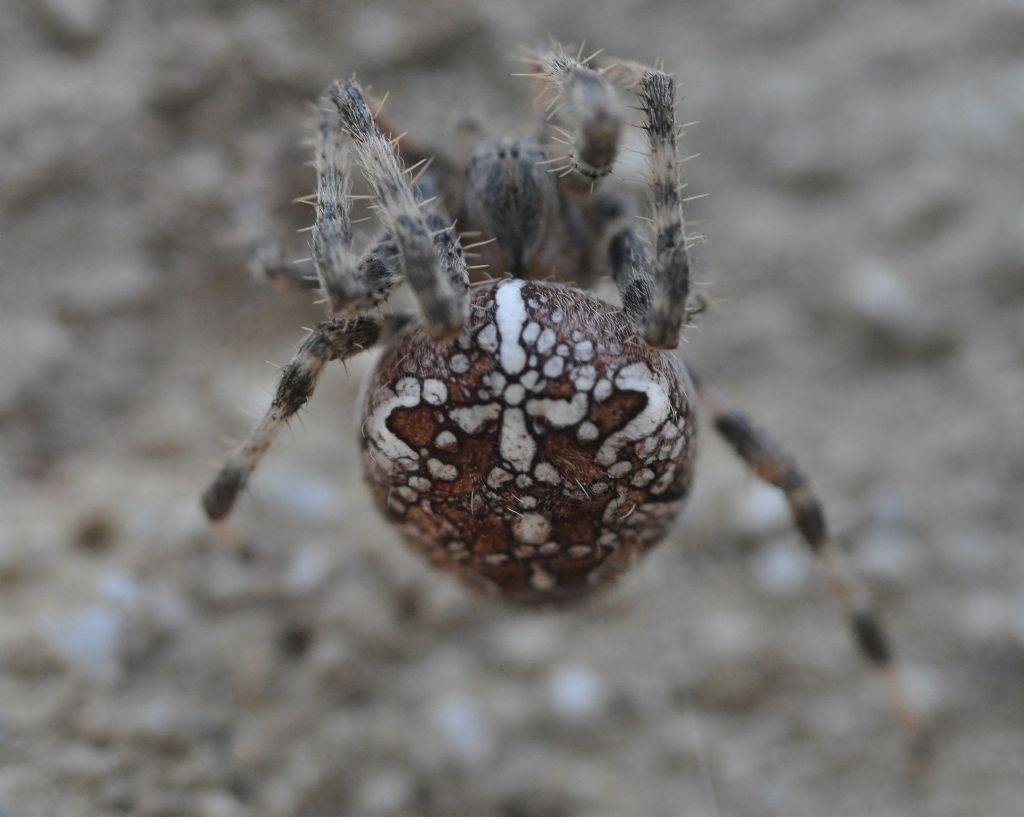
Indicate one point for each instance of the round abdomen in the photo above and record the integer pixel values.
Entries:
(540, 452)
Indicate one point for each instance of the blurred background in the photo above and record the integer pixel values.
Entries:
(865, 248)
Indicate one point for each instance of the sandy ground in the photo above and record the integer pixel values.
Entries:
(866, 247)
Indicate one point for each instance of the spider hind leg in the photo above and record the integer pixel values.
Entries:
(770, 462)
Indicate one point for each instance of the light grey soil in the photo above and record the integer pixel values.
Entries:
(865, 226)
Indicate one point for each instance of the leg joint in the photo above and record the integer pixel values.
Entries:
(871, 638)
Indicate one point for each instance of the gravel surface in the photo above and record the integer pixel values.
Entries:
(865, 244)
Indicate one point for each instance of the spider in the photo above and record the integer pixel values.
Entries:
(525, 435)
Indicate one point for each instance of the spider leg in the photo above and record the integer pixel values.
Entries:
(352, 284)
(442, 295)
(772, 463)
(448, 248)
(436, 172)
(348, 283)
(652, 272)
(584, 115)
(332, 339)
(622, 247)
(671, 264)
(377, 272)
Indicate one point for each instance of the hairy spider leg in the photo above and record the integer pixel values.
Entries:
(670, 286)
(584, 118)
(332, 339)
(651, 267)
(351, 284)
(442, 290)
(770, 462)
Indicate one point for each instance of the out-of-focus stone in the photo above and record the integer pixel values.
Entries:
(219, 804)
(104, 286)
(192, 60)
(889, 317)
(86, 765)
(576, 693)
(761, 510)
(307, 571)
(301, 494)
(781, 568)
(525, 642)
(469, 736)
(29, 344)
(74, 23)
(91, 641)
(386, 793)
(889, 555)
(988, 618)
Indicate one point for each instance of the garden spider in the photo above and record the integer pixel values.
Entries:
(523, 435)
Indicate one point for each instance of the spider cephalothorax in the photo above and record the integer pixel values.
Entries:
(531, 438)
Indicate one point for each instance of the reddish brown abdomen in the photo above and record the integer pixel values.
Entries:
(538, 454)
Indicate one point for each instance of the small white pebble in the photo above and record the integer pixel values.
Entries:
(525, 644)
(91, 641)
(576, 693)
(782, 568)
(760, 510)
(468, 735)
(120, 587)
(890, 555)
(307, 570)
(301, 493)
(389, 792)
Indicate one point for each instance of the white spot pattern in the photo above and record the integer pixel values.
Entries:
(531, 528)
(637, 377)
(517, 445)
(510, 316)
(472, 418)
(560, 413)
(434, 392)
(405, 394)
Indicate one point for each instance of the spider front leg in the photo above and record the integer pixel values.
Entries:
(377, 273)
(773, 464)
(651, 268)
(669, 274)
(425, 249)
(583, 114)
(352, 284)
(439, 280)
(332, 339)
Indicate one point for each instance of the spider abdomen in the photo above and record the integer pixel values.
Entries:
(540, 452)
